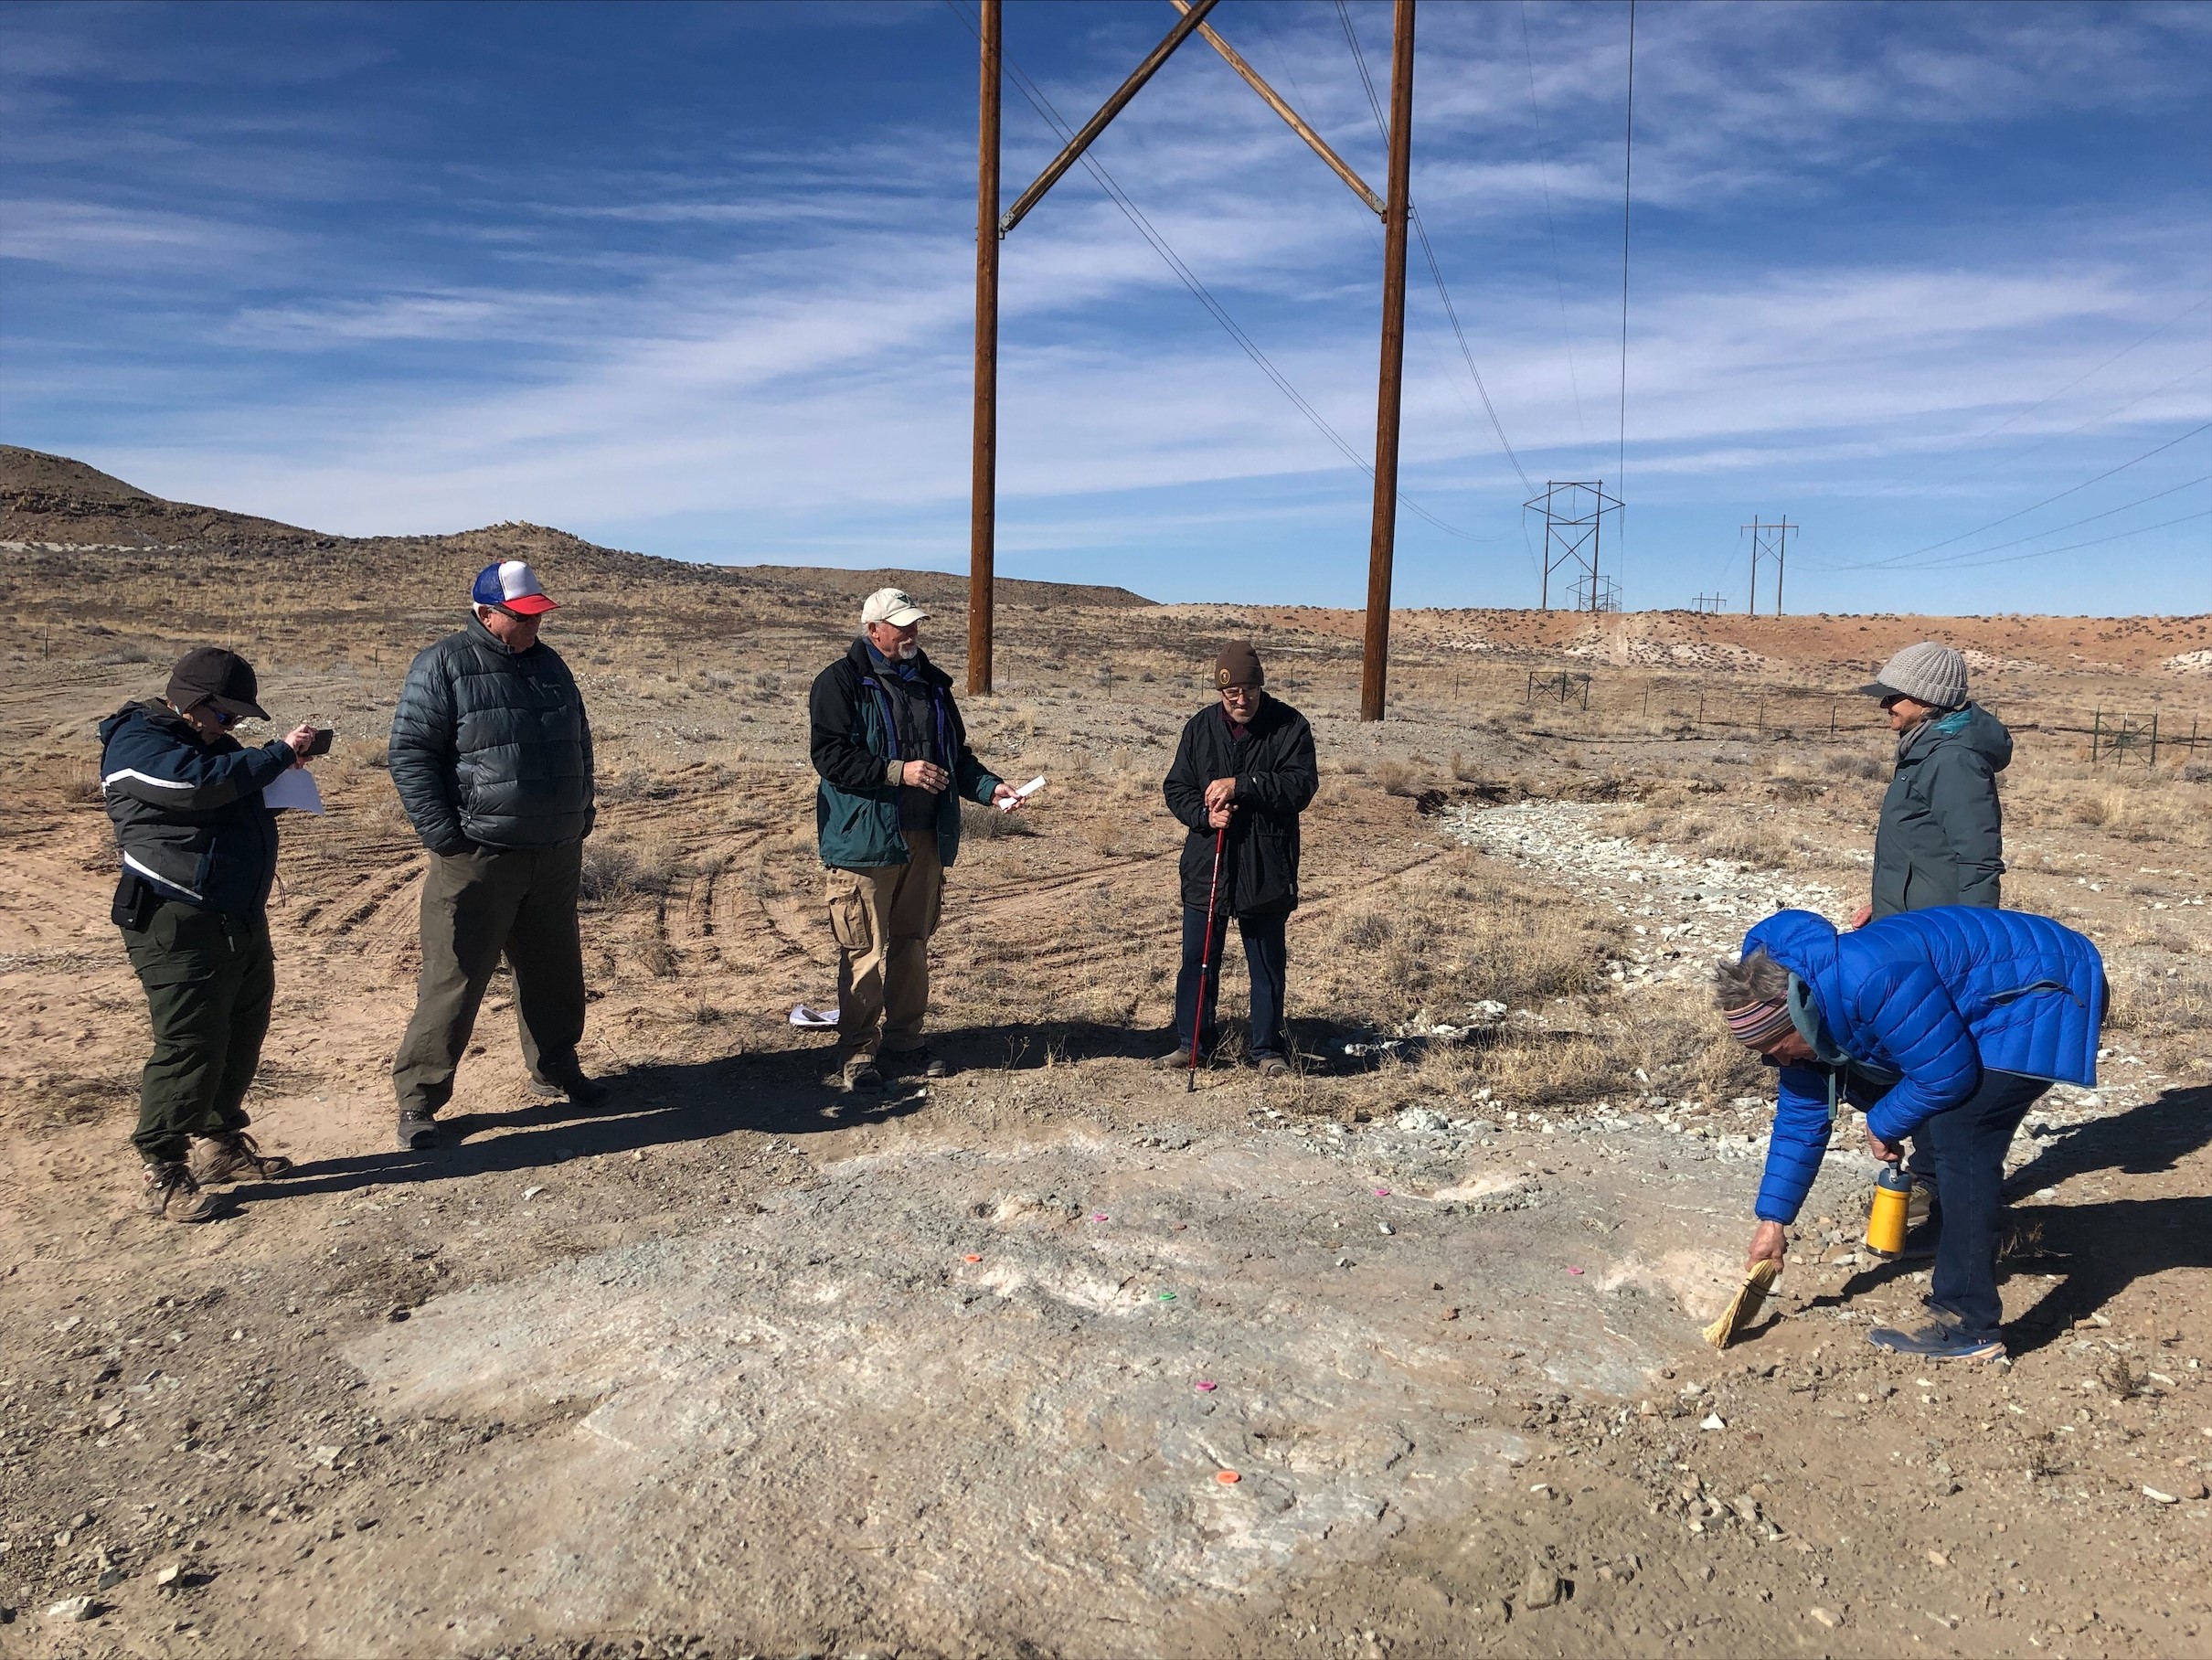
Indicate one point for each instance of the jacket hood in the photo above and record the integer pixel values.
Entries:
(1803, 943)
(1973, 726)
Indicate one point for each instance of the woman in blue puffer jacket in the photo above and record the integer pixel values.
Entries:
(1947, 1023)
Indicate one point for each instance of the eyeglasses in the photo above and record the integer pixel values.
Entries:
(1240, 692)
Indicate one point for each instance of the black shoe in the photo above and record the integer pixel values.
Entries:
(915, 1063)
(418, 1132)
(572, 1087)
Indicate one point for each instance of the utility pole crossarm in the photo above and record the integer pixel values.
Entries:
(1185, 27)
(1296, 123)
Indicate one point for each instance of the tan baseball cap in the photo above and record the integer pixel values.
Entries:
(892, 605)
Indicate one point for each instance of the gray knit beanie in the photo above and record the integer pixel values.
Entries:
(1927, 673)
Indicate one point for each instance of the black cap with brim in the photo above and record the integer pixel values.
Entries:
(209, 675)
(1882, 694)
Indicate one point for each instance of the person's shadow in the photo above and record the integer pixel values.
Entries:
(779, 1093)
(2098, 1249)
(2102, 1248)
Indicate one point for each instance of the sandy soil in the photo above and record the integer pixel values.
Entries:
(743, 1364)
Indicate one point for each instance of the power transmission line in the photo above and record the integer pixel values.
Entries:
(1436, 271)
(2087, 374)
(2119, 536)
(1204, 295)
(1451, 313)
(1900, 558)
(1951, 559)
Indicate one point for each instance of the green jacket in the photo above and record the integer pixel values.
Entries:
(1941, 840)
(854, 744)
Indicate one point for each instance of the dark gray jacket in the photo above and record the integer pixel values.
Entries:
(490, 745)
(1941, 838)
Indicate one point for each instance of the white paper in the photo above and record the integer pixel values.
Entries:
(1023, 794)
(803, 1016)
(295, 788)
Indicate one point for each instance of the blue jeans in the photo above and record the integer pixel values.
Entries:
(1967, 1144)
(1266, 955)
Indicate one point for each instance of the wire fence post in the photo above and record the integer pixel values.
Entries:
(2096, 731)
(2153, 735)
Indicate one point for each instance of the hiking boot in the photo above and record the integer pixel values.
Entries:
(1920, 1204)
(860, 1073)
(915, 1063)
(418, 1132)
(235, 1157)
(171, 1194)
(572, 1087)
(1178, 1058)
(1938, 1340)
(1274, 1066)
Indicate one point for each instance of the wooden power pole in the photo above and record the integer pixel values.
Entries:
(991, 226)
(982, 501)
(1375, 659)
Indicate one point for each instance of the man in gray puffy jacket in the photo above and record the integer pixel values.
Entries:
(491, 752)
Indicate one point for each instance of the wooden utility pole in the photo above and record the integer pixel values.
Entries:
(982, 501)
(1375, 658)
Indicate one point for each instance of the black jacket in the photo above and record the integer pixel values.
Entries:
(187, 812)
(1941, 840)
(490, 745)
(1276, 777)
(856, 735)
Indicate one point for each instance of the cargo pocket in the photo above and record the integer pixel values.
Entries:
(848, 913)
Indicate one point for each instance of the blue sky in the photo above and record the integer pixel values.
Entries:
(696, 279)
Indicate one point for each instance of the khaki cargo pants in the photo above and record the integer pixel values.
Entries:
(883, 918)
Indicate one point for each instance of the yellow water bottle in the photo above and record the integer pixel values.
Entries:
(1886, 1219)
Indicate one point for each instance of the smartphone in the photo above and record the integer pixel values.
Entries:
(319, 743)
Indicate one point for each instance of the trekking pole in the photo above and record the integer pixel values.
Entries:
(1206, 957)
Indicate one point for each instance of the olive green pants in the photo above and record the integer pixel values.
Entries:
(520, 902)
(210, 980)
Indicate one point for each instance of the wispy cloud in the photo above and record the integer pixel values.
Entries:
(371, 307)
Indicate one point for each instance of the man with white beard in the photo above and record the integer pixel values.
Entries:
(895, 764)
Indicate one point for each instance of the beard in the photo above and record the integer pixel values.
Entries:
(909, 650)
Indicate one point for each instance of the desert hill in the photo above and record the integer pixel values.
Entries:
(51, 505)
(77, 535)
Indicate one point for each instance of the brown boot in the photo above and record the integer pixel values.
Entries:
(235, 1157)
(171, 1194)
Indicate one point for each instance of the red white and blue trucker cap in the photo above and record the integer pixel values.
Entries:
(513, 584)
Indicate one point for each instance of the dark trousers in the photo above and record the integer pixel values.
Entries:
(209, 979)
(476, 907)
(1967, 1146)
(1265, 956)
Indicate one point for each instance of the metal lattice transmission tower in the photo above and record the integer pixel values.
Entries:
(1574, 528)
(1769, 542)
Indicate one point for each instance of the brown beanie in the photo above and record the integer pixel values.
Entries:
(1239, 664)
